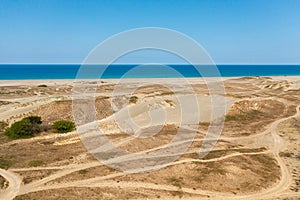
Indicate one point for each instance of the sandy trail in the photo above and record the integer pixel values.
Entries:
(13, 187)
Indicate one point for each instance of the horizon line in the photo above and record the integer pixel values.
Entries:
(149, 64)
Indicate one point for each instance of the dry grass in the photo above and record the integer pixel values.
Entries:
(43, 151)
(240, 174)
(220, 153)
(85, 174)
(59, 110)
(103, 193)
(251, 117)
(30, 176)
(163, 137)
(6, 161)
(27, 91)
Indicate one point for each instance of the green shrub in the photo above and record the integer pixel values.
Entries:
(26, 128)
(42, 85)
(63, 126)
(133, 99)
(34, 119)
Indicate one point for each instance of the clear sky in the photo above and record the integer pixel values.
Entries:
(232, 31)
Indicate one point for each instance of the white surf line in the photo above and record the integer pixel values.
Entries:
(13, 187)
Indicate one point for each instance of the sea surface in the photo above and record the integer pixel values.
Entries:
(70, 71)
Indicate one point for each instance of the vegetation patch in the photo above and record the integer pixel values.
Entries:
(63, 126)
(175, 181)
(82, 171)
(286, 154)
(253, 114)
(35, 163)
(5, 163)
(133, 99)
(43, 85)
(26, 128)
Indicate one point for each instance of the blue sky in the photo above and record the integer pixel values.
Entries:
(232, 31)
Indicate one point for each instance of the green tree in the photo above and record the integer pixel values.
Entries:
(63, 126)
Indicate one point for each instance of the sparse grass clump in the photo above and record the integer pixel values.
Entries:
(35, 163)
(286, 154)
(267, 161)
(177, 193)
(219, 153)
(253, 114)
(63, 126)
(204, 123)
(175, 181)
(4, 163)
(83, 171)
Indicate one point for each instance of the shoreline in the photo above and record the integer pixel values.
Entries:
(116, 80)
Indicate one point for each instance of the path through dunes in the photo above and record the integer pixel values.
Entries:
(13, 187)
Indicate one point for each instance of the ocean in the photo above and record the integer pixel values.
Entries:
(69, 71)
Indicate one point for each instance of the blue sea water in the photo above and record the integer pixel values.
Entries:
(69, 71)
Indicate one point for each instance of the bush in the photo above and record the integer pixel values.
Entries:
(133, 99)
(26, 128)
(63, 126)
(34, 119)
(42, 85)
